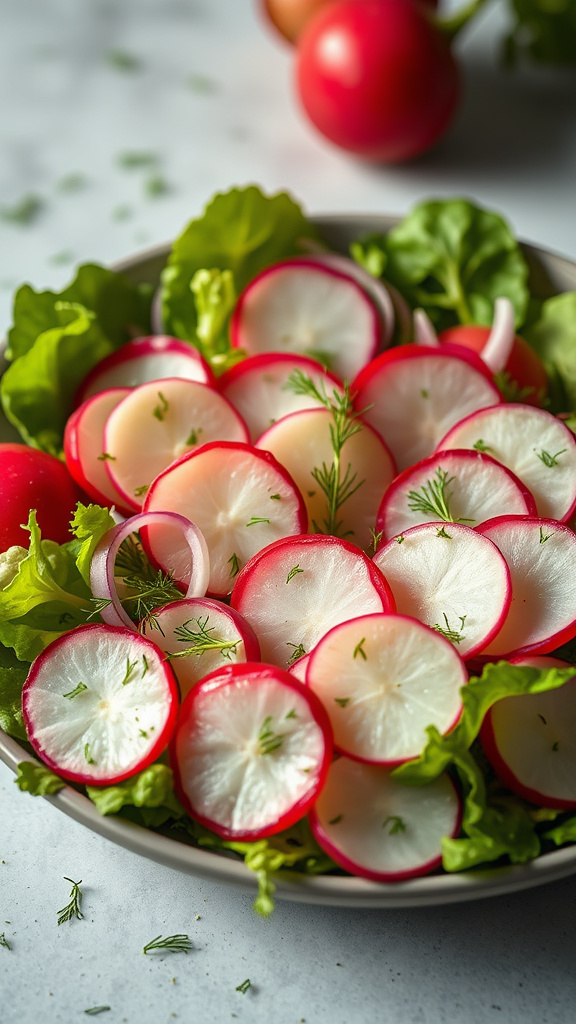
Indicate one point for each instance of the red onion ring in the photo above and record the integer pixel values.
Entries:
(104, 558)
(424, 333)
(499, 342)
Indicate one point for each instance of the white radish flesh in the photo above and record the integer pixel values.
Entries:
(302, 443)
(530, 740)
(294, 591)
(84, 447)
(414, 394)
(541, 556)
(383, 680)
(145, 359)
(100, 704)
(251, 751)
(450, 578)
(377, 828)
(375, 288)
(258, 388)
(201, 635)
(301, 307)
(240, 498)
(156, 424)
(536, 446)
(459, 486)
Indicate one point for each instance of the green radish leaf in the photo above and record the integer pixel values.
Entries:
(553, 337)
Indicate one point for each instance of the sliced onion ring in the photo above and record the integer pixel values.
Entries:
(104, 559)
(499, 342)
(424, 333)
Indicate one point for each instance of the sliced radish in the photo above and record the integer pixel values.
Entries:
(536, 446)
(376, 289)
(190, 557)
(541, 556)
(452, 579)
(241, 498)
(383, 679)
(146, 359)
(377, 828)
(302, 307)
(459, 486)
(84, 447)
(530, 740)
(295, 590)
(100, 704)
(201, 635)
(258, 388)
(299, 667)
(157, 423)
(251, 751)
(414, 394)
(303, 444)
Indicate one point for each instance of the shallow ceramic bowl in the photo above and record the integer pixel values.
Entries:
(549, 274)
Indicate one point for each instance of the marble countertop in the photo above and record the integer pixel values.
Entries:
(202, 92)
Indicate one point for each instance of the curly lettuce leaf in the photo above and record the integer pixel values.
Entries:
(243, 231)
(453, 259)
(89, 524)
(150, 791)
(34, 778)
(12, 677)
(553, 336)
(565, 832)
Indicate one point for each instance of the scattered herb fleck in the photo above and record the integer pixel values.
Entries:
(293, 572)
(396, 824)
(291, 714)
(298, 652)
(62, 258)
(130, 666)
(74, 693)
(156, 185)
(268, 740)
(545, 536)
(23, 213)
(106, 457)
(133, 160)
(4, 941)
(139, 491)
(161, 409)
(336, 820)
(275, 497)
(479, 446)
(443, 532)
(72, 909)
(97, 1009)
(88, 755)
(243, 988)
(359, 649)
(451, 634)
(234, 564)
(547, 459)
(172, 944)
(257, 519)
(342, 701)
(73, 182)
(123, 61)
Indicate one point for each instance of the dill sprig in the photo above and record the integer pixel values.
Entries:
(448, 632)
(172, 944)
(4, 941)
(336, 482)
(433, 498)
(150, 594)
(72, 909)
(548, 459)
(268, 740)
(202, 639)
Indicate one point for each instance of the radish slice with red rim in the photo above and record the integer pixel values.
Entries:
(194, 563)
(302, 307)
(383, 680)
(242, 499)
(251, 751)
(145, 359)
(84, 447)
(457, 486)
(413, 394)
(295, 590)
(530, 742)
(452, 579)
(303, 444)
(100, 704)
(541, 556)
(201, 635)
(258, 388)
(536, 446)
(157, 423)
(375, 288)
(377, 828)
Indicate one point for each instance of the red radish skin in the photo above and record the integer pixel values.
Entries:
(100, 654)
(144, 359)
(302, 307)
(555, 710)
(31, 479)
(541, 556)
(226, 488)
(377, 828)
(257, 388)
(383, 680)
(536, 446)
(173, 622)
(217, 748)
(412, 395)
(523, 367)
(295, 590)
(450, 578)
(377, 78)
(84, 448)
(476, 488)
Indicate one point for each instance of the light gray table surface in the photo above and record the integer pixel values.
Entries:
(210, 96)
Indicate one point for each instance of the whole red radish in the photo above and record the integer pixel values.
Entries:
(33, 479)
(377, 78)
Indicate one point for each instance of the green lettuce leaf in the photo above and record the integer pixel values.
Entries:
(243, 231)
(563, 833)
(89, 524)
(150, 791)
(553, 336)
(12, 678)
(36, 779)
(453, 259)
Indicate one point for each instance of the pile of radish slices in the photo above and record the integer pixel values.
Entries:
(347, 525)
